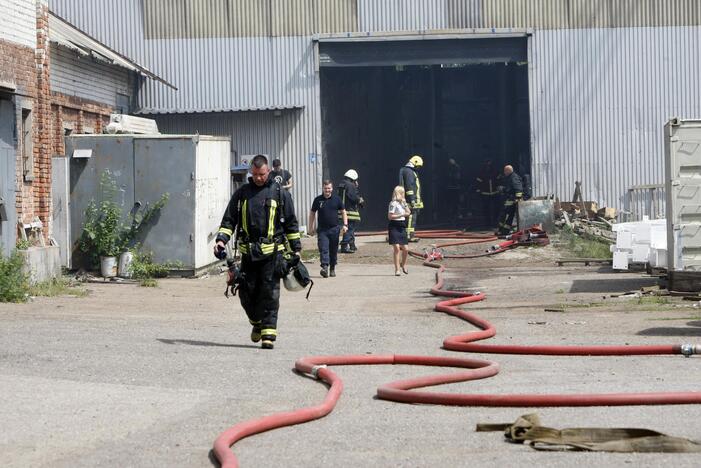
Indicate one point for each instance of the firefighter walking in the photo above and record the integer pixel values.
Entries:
(513, 193)
(409, 179)
(348, 192)
(263, 217)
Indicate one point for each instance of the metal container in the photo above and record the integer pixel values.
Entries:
(192, 169)
(682, 140)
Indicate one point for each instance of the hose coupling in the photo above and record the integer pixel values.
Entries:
(689, 349)
(315, 370)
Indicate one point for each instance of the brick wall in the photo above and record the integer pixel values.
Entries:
(79, 115)
(41, 185)
(28, 70)
(18, 66)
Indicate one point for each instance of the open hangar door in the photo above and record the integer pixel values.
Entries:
(461, 99)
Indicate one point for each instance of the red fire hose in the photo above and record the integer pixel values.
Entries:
(403, 391)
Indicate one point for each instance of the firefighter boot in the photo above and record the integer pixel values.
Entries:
(352, 248)
(324, 271)
(268, 338)
(332, 272)
(255, 334)
(345, 249)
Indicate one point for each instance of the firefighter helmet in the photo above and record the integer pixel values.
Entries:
(297, 278)
(351, 174)
(416, 160)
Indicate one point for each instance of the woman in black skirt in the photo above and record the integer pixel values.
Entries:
(397, 214)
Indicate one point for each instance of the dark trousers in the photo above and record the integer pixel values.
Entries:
(260, 292)
(349, 236)
(411, 223)
(327, 241)
(507, 217)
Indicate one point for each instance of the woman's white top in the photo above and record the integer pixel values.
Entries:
(397, 208)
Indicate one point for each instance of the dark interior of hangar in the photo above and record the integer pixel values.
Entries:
(375, 117)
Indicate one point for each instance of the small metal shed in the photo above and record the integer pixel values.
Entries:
(192, 169)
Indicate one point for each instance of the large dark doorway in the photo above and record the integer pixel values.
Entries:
(374, 117)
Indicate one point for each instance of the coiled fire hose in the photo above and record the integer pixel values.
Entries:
(471, 369)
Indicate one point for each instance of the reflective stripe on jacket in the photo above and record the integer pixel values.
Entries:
(267, 217)
(409, 179)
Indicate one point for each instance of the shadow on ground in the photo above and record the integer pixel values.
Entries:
(692, 329)
(611, 285)
(203, 343)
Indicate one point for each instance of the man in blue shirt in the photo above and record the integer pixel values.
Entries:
(326, 207)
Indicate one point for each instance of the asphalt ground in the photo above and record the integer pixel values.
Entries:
(133, 376)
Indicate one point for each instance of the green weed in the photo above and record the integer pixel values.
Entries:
(60, 286)
(14, 283)
(583, 246)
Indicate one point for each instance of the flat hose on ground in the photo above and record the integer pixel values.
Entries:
(404, 391)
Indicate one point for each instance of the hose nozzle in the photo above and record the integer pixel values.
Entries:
(688, 349)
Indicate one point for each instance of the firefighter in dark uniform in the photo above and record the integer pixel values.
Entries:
(409, 179)
(348, 193)
(263, 217)
(513, 193)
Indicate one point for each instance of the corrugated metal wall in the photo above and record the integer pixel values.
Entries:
(601, 85)
(246, 73)
(75, 75)
(599, 99)
(197, 19)
(283, 134)
(18, 22)
(408, 15)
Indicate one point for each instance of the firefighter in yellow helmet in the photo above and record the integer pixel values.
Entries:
(348, 192)
(409, 179)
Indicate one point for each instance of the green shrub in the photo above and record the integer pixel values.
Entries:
(583, 245)
(102, 224)
(142, 267)
(104, 234)
(14, 283)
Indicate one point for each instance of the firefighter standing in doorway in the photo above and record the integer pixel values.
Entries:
(409, 179)
(513, 193)
(263, 217)
(348, 192)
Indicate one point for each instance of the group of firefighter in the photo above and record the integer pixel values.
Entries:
(260, 219)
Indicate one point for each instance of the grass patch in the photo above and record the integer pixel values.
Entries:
(148, 283)
(60, 286)
(583, 246)
(14, 283)
(560, 291)
(586, 305)
(309, 254)
(654, 300)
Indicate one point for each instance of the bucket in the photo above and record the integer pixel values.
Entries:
(124, 266)
(108, 266)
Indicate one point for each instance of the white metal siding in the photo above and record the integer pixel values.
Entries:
(289, 136)
(18, 22)
(212, 187)
(599, 100)
(79, 76)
